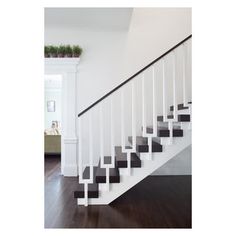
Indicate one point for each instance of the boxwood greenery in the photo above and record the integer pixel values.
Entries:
(62, 51)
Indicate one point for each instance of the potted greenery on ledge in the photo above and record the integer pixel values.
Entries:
(52, 51)
(77, 51)
(62, 51)
(68, 51)
(46, 51)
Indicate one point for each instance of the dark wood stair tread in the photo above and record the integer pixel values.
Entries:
(114, 175)
(165, 132)
(179, 107)
(181, 118)
(184, 118)
(107, 160)
(142, 144)
(161, 118)
(92, 188)
(121, 159)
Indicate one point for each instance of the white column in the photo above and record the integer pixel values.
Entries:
(67, 67)
(69, 165)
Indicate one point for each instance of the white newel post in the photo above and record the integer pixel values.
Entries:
(68, 68)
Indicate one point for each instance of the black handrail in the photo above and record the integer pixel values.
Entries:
(130, 78)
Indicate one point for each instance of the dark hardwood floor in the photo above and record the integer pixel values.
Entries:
(156, 202)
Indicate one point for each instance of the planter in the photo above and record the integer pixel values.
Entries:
(53, 54)
(76, 55)
(60, 55)
(62, 51)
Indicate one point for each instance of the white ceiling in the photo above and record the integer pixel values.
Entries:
(93, 18)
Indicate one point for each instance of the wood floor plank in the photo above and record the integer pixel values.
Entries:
(156, 202)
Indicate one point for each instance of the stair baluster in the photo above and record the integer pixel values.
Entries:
(184, 74)
(174, 84)
(132, 149)
(82, 180)
(149, 135)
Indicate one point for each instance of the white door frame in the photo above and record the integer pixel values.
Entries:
(68, 68)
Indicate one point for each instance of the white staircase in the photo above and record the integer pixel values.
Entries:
(150, 133)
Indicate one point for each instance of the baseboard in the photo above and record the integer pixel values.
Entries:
(69, 170)
(52, 155)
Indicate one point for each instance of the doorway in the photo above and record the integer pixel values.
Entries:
(52, 120)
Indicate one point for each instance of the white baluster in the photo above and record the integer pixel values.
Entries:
(154, 113)
(112, 135)
(101, 136)
(174, 86)
(188, 73)
(102, 162)
(80, 151)
(90, 148)
(107, 188)
(164, 90)
(143, 108)
(190, 68)
(190, 77)
(133, 118)
(128, 157)
(128, 151)
(149, 157)
(170, 127)
(81, 179)
(184, 75)
(86, 194)
(122, 122)
(144, 124)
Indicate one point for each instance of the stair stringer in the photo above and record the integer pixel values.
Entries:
(138, 174)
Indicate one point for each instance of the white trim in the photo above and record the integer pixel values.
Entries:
(68, 69)
(70, 170)
(60, 65)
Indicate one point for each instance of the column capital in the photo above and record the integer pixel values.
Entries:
(61, 65)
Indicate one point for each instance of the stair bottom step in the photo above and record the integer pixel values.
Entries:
(114, 175)
(112, 179)
(92, 191)
(124, 164)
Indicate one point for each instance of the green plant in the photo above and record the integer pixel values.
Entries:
(53, 51)
(46, 51)
(68, 51)
(77, 50)
(61, 51)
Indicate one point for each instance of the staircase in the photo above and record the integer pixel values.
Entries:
(146, 148)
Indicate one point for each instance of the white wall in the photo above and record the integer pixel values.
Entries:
(152, 32)
(100, 65)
